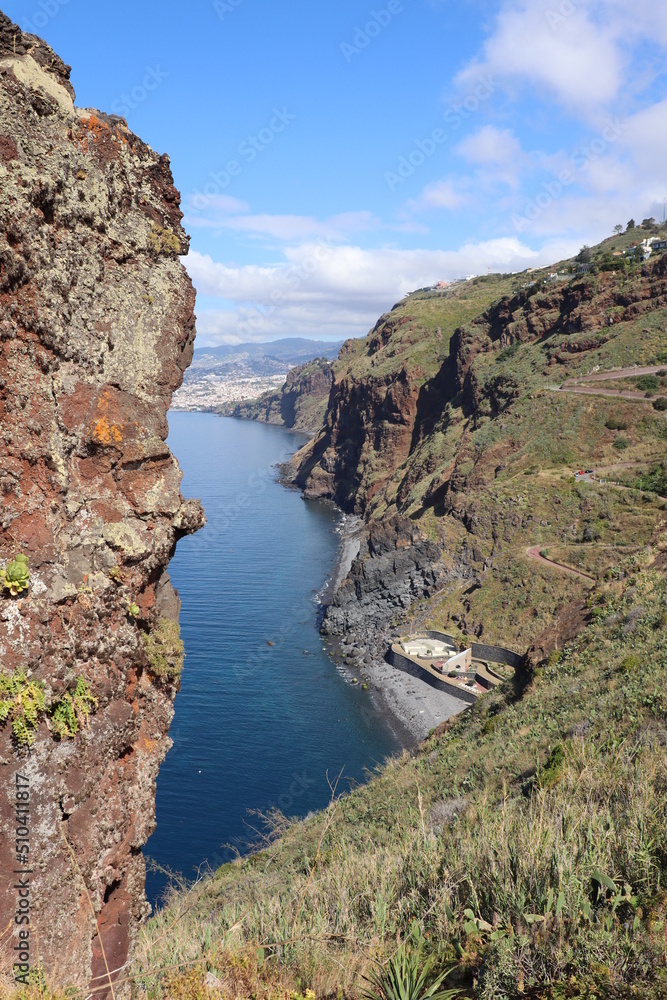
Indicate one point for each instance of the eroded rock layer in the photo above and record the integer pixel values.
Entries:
(96, 329)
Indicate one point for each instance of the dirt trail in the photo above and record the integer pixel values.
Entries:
(534, 553)
(618, 373)
(579, 383)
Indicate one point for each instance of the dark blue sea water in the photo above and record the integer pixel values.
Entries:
(257, 726)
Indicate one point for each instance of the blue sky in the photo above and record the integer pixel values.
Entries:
(333, 156)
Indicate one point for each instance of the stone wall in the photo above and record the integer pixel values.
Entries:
(496, 654)
(405, 663)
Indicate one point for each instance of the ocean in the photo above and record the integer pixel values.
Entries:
(264, 719)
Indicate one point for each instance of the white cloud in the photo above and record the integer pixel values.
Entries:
(577, 60)
(324, 290)
(498, 154)
(222, 212)
(445, 194)
(491, 145)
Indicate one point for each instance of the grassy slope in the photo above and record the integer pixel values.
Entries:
(546, 788)
(547, 783)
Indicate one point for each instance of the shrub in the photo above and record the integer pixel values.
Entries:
(648, 383)
(71, 712)
(15, 576)
(553, 768)
(660, 403)
(614, 424)
(165, 650)
(621, 443)
(508, 352)
(22, 702)
(408, 977)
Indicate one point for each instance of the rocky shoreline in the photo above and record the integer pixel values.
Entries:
(379, 572)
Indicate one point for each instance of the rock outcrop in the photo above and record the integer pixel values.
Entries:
(96, 330)
(396, 565)
(301, 403)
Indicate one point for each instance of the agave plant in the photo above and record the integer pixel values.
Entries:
(15, 576)
(408, 977)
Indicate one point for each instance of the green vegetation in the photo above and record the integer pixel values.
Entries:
(22, 703)
(507, 353)
(648, 383)
(15, 577)
(549, 868)
(654, 480)
(408, 976)
(163, 242)
(72, 711)
(165, 650)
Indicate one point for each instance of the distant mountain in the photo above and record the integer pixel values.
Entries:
(290, 350)
(219, 376)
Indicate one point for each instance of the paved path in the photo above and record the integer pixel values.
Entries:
(612, 393)
(534, 553)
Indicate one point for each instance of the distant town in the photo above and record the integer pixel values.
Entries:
(214, 391)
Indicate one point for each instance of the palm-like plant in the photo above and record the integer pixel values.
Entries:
(408, 977)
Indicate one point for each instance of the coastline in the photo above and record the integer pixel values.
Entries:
(410, 706)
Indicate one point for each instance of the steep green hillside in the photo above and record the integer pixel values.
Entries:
(462, 429)
(525, 842)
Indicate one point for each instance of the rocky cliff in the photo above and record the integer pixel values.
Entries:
(300, 404)
(425, 367)
(450, 399)
(395, 567)
(96, 330)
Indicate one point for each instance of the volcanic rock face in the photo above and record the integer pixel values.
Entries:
(396, 565)
(300, 404)
(367, 433)
(96, 329)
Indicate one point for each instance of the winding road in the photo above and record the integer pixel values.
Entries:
(534, 553)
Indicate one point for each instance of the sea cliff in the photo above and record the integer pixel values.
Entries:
(96, 330)
(299, 405)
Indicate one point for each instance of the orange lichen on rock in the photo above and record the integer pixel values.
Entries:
(94, 125)
(104, 433)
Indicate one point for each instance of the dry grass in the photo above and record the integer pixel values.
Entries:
(560, 785)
